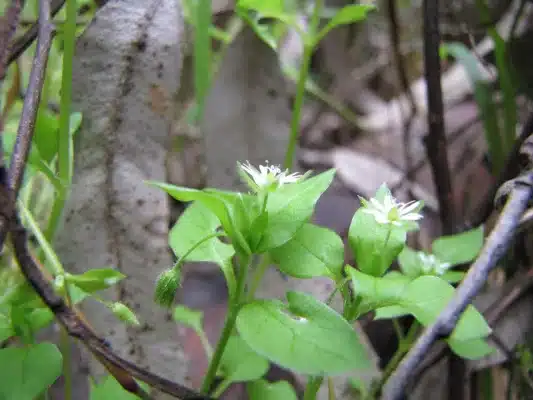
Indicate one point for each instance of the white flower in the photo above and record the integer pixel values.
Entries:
(390, 211)
(267, 176)
(431, 265)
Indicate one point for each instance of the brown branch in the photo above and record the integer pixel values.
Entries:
(32, 99)
(25, 41)
(510, 169)
(436, 148)
(514, 290)
(9, 23)
(123, 370)
(435, 141)
(495, 247)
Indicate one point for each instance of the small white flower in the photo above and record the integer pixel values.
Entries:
(390, 211)
(267, 176)
(431, 265)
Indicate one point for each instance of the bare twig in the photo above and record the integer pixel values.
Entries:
(121, 369)
(31, 105)
(9, 26)
(435, 141)
(437, 151)
(398, 59)
(27, 39)
(515, 289)
(32, 99)
(510, 169)
(495, 247)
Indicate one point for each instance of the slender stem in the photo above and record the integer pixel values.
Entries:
(221, 388)
(403, 347)
(65, 150)
(309, 42)
(234, 306)
(313, 384)
(195, 246)
(258, 275)
(331, 389)
(398, 329)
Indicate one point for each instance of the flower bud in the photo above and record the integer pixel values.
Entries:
(122, 312)
(166, 287)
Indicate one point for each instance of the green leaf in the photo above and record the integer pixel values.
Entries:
(459, 249)
(26, 372)
(110, 389)
(427, 296)
(240, 363)
(189, 317)
(265, 7)
(390, 312)
(377, 292)
(5, 328)
(313, 251)
(410, 263)
(346, 15)
(290, 207)
(305, 335)
(263, 390)
(95, 279)
(226, 206)
(473, 349)
(76, 119)
(195, 224)
(453, 276)
(46, 134)
(375, 245)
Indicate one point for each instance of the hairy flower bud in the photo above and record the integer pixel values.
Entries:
(166, 287)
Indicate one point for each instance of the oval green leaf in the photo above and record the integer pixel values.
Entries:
(290, 207)
(26, 372)
(240, 363)
(313, 251)
(306, 335)
(461, 248)
(262, 390)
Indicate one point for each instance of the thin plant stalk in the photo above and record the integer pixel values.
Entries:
(234, 307)
(64, 165)
(309, 44)
(65, 146)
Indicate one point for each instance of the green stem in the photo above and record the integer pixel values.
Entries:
(403, 347)
(313, 385)
(258, 276)
(309, 43)
(65, 151)
(331, 389)
(221, 388)
(195, 246)
(234, 307)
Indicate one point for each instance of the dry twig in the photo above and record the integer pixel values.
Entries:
(495, 247)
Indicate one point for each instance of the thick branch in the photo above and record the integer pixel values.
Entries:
(495, 247)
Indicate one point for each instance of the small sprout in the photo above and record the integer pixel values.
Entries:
(391, 211)
(431, 265)
(167, 286)
(269, 177)
(122, 312)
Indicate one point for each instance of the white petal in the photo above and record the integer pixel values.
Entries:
(411, 217)
(409, 207)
